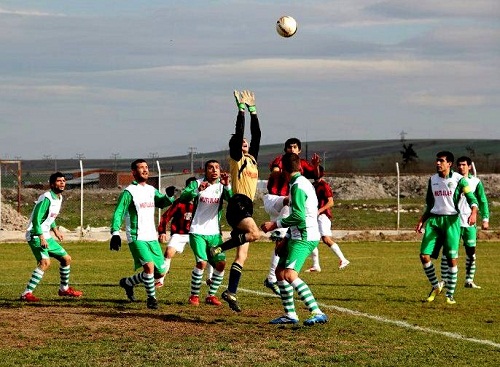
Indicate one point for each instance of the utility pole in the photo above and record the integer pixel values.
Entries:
(192, 152)
(115, 157)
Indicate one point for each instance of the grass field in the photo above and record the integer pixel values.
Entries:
(376, 314)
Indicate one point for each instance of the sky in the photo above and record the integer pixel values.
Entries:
(139, 79)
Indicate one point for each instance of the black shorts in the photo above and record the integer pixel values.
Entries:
(239, 207)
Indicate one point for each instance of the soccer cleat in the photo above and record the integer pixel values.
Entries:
(319, 318)
(158, 284)
(231, 299)
(209, 281)
(450, 300)
(194, 300)
(313, 270)
(212, 300)
(152, 303)
(29, 297)
(272, 286)
(284, 320)
(343, 264)
(70, 292)
(214, 251)
(472, 285)
(129, 289)
(435, 292)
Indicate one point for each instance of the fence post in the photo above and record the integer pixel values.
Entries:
(398, 201)
(81, 199)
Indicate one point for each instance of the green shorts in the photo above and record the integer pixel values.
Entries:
(147, 252)
(200, 243)
(297, 251)
(441, 230)
(54, 250)
(469, 235)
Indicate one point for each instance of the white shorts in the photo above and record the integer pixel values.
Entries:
(178, 241)
(325, 225)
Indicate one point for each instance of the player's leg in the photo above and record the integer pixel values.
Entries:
(286, 295)
(298, 251)
(271, 280)
(469, 235)
(229, 295)
(43, 263)
(315, 268)
(217, 264)
(427, 245)
(450, 249)
(64, 272)
(325, 229)
(198, 244)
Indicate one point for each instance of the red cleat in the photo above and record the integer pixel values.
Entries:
(194, 300)
(29, 297)
(70, 292)
(212, 300)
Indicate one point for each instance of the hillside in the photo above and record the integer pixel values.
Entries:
(339, 157)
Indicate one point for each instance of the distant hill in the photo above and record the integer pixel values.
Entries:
(339, 157)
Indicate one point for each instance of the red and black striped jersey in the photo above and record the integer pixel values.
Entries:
(181, 214)
(277, 183)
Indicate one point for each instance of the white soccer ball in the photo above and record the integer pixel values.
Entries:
(286, 26)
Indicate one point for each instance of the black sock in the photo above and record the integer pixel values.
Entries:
(234, 241)
(234, 277)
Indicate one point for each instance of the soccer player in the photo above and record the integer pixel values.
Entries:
(304, 238)
(137, 205)
(276, 199)
(179, 215)
(209, 193)
(43, 245)
(244, 177)
(468, 233)
(325, 203)
(442, 222)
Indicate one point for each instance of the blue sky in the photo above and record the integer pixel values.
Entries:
(96, 78)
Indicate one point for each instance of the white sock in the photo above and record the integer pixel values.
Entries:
(271, 276)
(336, 249)
(167, 265)
(315, 258)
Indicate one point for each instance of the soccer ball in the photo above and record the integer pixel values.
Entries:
(286, 26)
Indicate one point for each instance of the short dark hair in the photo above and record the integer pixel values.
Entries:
(465, 159)
(53, 177)
(291, 162)
(321, 170)
(210, 161)
(134, 164)
(449, 155)
(293, 141)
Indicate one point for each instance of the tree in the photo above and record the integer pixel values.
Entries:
(409, 155)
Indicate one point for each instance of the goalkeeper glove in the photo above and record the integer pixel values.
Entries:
(115, 243)
(239, 101)
(248, 98)
(170, 191)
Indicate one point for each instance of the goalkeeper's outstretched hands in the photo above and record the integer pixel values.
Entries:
(248, 97)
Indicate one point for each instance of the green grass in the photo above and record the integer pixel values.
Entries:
(375, 309)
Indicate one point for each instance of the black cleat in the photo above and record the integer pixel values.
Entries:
(152, 303)
(129, 289)
(231, 299)
(214, 251)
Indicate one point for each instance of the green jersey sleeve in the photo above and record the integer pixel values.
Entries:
(40, 213)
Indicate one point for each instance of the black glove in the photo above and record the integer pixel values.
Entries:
(170, 191)
(115, 243)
